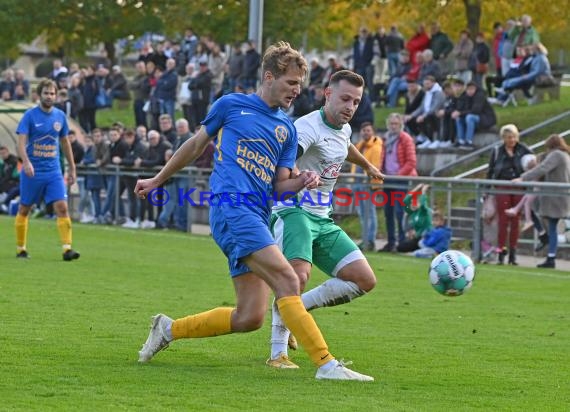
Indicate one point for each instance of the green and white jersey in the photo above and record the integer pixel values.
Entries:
(325, 148)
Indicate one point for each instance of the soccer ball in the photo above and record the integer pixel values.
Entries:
(451, 273)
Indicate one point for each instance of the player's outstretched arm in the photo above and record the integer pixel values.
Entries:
(354, 156)
(186, 154)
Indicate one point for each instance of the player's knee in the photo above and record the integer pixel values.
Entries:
(248, 322)
(367, 282)
(288, 283)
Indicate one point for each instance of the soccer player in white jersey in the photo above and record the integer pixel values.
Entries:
(304, 231)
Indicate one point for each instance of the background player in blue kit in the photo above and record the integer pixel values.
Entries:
(40, 133)
(256, 145)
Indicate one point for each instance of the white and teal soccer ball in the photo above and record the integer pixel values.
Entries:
(451, 273)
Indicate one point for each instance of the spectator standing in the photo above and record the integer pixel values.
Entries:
(117, 150)
(118, 88)
(155, 156)
(462, 52)
(441, 46)
(96, 182)
(394, 45)
(507, 48)
(173, 185)
(7, 85)
(200, 88)
(216, 64)
(370, 146)
(59, 71)
(417, 43)
(235, 70)
(480, 59)
(185, 95)
(362, 54)
(165, 90)
(135, 150)
(21, 86)
(251, 65)
(555, 167)
(75, 95)
(189, 44)
(89, 90)
(523, 33)
(140, 86)
(505, 165)
(398, 159)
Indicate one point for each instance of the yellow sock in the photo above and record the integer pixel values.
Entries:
(21, 226)
(214, 322)
(64, 228)
(303, 326)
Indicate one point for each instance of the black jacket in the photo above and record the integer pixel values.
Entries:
(499, 157)
(477, 104)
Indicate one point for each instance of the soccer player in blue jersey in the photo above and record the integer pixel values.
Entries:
(256, 145)
(40, 133)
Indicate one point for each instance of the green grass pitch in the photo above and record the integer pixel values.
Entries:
(70, 333)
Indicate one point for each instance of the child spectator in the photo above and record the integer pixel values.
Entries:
(418, 218)
(436, 240)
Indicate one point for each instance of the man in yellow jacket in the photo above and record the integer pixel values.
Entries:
(371, 147)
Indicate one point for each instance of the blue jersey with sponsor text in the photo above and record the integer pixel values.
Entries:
(251, 141)
(44, 129)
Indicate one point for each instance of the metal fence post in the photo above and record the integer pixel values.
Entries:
(476, 247)
(117, 193)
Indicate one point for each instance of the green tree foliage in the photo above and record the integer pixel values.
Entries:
(73, 26)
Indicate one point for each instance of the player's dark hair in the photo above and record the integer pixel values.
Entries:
(45, 83)
(353, 78)
(279, 56)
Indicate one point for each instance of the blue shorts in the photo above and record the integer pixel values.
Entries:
(239, 230)
(48, 187)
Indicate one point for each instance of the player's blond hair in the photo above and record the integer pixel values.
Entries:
(279, 56)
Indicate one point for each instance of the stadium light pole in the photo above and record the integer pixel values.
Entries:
(255, 31)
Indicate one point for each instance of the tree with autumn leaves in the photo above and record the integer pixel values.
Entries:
(71, 27)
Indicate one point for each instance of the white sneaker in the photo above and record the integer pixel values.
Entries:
(342, 373)
(131, 224)
(434, 145)
(445, 145)
(86, 218)
(156, 340)
(421, 139)
(148, 224)
(425, 144)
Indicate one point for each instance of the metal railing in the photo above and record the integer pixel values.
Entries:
(450, 185)
(487, 149)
